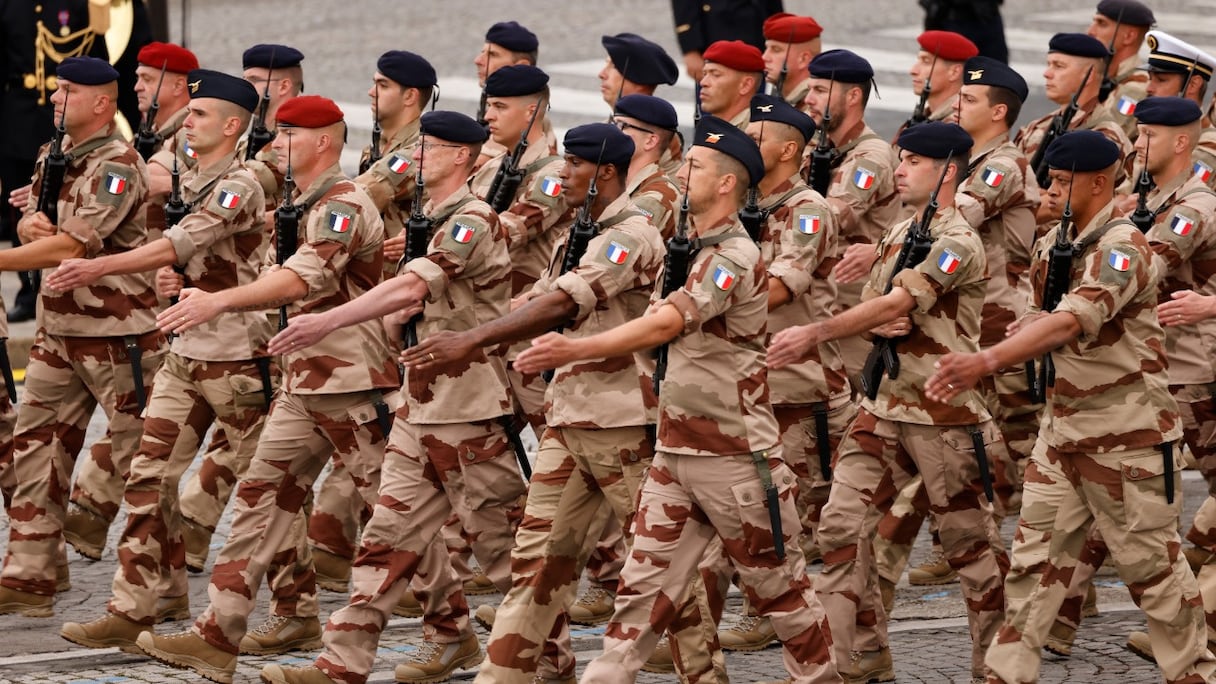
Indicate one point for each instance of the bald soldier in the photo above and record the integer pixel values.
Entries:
(218, 374)
(1102, 460)
(1122, 25)
(332, 399)
(73, 369)
(790, 43)
(731, 75)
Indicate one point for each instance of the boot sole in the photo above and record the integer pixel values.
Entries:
(1059, 649)
(331, 584)
(659, 669)
(309, 644)
(182, 662)
(82, 547)
(488, 624)
(465, 663)
(880, 676)
(409, 613)
(751, 645)
(172, 616)
(121, 644)
(1147, 655)
(933, 581)
(591, 620)
(479, 590)
(27, 610)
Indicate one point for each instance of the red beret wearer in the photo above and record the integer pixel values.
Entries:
(308, 111)
(172, 57)
(735, 54)
(791, 28)
(948, 45)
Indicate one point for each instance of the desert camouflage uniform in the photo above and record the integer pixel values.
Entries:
(8, 420)
(1099, 462)
(164, 156)
(797, 97)
(448, 444)
(1204, 155)
(595, 451)
(1090, 116)
(210, 375)
(71, 370)
(1131, 86)
(715, 423)
(902, 432)
(1000, 197)
(327, 404)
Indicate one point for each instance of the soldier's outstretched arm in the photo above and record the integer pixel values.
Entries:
(396, 293)
(75, 273)
(792, 344)
(553, 350)
(45, 253)
(1186, 307)
(281, 287)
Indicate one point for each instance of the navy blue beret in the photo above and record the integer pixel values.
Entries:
(271, 57)
(640, 60)
(1167, 111)
(512, 36)
(453, 127)
(1128, 12)
(842, 66)
(86, 71)
(407, 68)
(586, 141)
(936, 140)
(769, 108)
(1077, 44)
(208, 83)
(649, 109)
(720, 135)
(987, 71)
(517, 79)
(1082, 151)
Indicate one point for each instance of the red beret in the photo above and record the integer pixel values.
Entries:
(791, 28)
(948, 45)
(308, 111)
(174, 58)
(735, 54)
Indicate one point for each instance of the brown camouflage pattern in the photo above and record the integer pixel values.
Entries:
(655, 195)
(1090, 116)
(1131, 82)
(392, 191)
(1204, 155)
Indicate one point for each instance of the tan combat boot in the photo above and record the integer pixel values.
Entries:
(1141, 645)
(1060, 638)
(281, 674)
(593, 607)
(868, 666)
(484, 615)
(63, 579)
(172, 609)
(197, 540)
(25, 603)
(333, 572)
(436, 662)
(479, 585)
(408, 605)
(933, 571)
(105, 632)
(887, 587)
(750, 633)
(189, 651)
(280, 634)
(661, 660)
(86, 532)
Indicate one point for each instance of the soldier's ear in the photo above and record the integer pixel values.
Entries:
(955, 72)
(999, 112)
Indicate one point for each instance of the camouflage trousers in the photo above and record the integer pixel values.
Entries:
(426, 467)
(1122, 495)
(187, 397)
(66, 379)
(877, 458)
(800, 446)
(300, 434)
(578, 473)
(8, 421)
(205, 495)
(854, 349)
(338, 514)
(529, 392)
(686, 502)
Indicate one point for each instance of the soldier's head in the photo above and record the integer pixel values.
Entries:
(175, 62)
(274, 69)
(315, 130)
(1168, 132)
(1132, 18)
(781, 132)
(1070, 56)
(90, 88)
(449, 146)
(513, 94)
(991, 97)
(923, 151)
(634, 66)
(649, 121)
(790, 41)
(507, 43)
(1082, 167)
(939, 62)
(402, 87)
(730, 77)
(220, 109)
(848, 78)
(586, 147)
(1177, 68)
(719, 168)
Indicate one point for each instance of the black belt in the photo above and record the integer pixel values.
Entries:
(1167, 458)
(135, 354)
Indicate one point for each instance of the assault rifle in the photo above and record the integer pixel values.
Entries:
(675, 272)
(1108, 82)
(54, 168)
(751, 215)
(374, 155)
(417, 235)
(1142, 216)
(823, 155)
(509, 176)
(1059, 125)
(1059, 276)
(146, 138)
(175, 210)
(919, 113)
(286, 227)
(260, 136)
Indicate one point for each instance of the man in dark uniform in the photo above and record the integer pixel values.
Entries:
(700, 23)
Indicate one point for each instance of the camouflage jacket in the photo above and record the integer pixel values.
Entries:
(390, 181)
(654, 194)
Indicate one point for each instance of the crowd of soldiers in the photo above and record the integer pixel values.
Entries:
(968, 322)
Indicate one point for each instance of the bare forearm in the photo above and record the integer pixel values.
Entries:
(646, 332)
(535, 317)
(45, 253)
(394, 294)
(147, 258)
(868, 314)
(276, 289)
(1045, 333)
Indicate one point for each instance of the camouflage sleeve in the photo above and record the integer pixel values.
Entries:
(1116, 135)
(1114, 272)
(616, 261)
(451, 252)
(235, 202)
(265, 169)
(115, 189)
(858, 184)
(536, 208)
(801, 246)
(1186, 229)
(994, 186)
(326, 250)
(711, 289)
(1204, 158)
(657, 212)
(390, 178)
(955, 259)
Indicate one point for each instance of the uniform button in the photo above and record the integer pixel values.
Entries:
(705, 8)
(786, 479)
(747, 498)
(472, 456)
(633, 458)
(1134, 472)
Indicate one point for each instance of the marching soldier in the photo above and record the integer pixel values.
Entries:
(862, 188)
(507, 44)
(634, 66)
(928, 307)
(276, 72)
(1177, 68)
(790, 43)
(1103, 460)
(447, 441)
(220, 373)
(732, 73)
(332, 399)
(99, 208)
(1122, 25)
(714, 324)
(939, 69)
